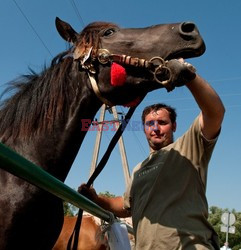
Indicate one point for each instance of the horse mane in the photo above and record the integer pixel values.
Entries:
(38, 99)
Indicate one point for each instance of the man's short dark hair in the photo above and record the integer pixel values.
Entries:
(155, 107)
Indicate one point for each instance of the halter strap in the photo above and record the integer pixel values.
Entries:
(104, 56)
(155, 65)
(97, 91)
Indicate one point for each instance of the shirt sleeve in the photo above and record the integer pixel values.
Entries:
(196, 148)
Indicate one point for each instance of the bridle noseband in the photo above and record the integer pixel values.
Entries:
(156, 66)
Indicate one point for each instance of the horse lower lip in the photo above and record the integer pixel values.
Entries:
(188, 53)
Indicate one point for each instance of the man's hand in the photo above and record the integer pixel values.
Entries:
(88, 192)
(112, 204)
(181, 73)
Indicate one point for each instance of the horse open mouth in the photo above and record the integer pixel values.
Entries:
(188, 53)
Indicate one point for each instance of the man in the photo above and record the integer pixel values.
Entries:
(166, 198)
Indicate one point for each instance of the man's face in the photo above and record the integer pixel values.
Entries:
(159, 129)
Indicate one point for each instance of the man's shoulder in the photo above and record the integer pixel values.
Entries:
(137, 167)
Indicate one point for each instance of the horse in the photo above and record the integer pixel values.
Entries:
(91, 235)
(42, 119)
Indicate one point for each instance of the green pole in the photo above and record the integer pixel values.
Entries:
(21, 167)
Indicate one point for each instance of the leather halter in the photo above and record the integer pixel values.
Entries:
(155, 65)
(97, 91)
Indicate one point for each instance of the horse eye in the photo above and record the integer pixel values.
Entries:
(109, 32)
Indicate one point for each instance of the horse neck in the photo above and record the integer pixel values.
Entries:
(69, 138)
(55, 146)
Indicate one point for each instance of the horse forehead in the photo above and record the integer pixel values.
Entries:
(96, 28)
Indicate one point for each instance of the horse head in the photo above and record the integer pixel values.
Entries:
(99, 46)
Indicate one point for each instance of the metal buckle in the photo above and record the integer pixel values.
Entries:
(103, 56)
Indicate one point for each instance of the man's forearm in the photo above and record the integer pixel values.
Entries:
(114, 205)
(206, 97)
(210, 104)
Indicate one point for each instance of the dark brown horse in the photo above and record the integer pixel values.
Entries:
(42, 120)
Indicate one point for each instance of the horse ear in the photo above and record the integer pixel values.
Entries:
(65, 30)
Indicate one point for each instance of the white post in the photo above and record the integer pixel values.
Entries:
(122, 151)
(98, 140)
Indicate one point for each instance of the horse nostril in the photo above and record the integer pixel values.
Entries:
(187, 30)
(188, 27)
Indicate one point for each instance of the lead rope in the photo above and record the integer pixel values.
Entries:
(99, 168)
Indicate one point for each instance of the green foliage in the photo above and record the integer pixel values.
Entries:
(234, 240)
(107, 193)
(69, 209)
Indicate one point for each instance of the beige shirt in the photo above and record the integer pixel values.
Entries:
(167, 196)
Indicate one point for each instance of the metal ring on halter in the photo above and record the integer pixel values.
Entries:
(158, 59)
(159, 70)
(103, 56)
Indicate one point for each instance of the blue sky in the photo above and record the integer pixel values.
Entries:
(29, 39)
